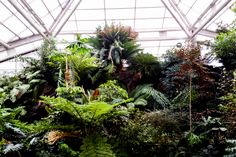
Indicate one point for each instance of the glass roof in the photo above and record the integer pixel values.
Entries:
(160, 23)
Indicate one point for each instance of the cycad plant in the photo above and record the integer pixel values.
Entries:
(115, 43)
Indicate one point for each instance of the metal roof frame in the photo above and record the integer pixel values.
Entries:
(32, 12)
(215, 12)
(179, 21)
(26, 16)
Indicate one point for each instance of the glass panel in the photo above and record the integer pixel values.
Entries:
(120, 14)
(51, 4)
(203, 3)
(5, 13)
(6, 35)
(120, 3)
(48, 20)
(152, 23)
(123, 22)
(170, 23)
(148, 34)
(26, 22)
(91, 4)
(25, 33)
(70, 27)
(90, 25)
(12, 23)
(89, 14)
(176, 34)
(149, 3)
(55, 12)
(150, 13)
(39, 8)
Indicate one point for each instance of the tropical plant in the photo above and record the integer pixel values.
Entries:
(111, 92)
(76, 65)
(224, 48)
(96, 146)
(115, 43)
(155, 99)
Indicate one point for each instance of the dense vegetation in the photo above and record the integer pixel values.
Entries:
(105, 97)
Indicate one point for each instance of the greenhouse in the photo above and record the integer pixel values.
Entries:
(117, 78)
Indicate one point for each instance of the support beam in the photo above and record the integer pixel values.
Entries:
(20, 54)
(32, 12)
(5, 45)
(210, 18)
(177, 10)
(67, 18)
(21, 42)
(160, 39)
(204, 13)
(183, 15)
(14, 4)
(208, 33)
(60, 16)
(13, 13)
(176, 18)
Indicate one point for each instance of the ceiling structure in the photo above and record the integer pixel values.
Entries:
(160, 23)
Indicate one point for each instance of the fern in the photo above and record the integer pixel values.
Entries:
(67, 150)
(88, 112)
(96, 147)
(16, 130)
(147, 92)
(12, 148)
(231, 149)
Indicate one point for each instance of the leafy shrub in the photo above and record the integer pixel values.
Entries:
(224, 48)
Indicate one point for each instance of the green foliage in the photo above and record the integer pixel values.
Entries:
(96, 146)
(67, 150)
(145, 63)
(225, 50)
(80, 63)
(144, 135)
(230, 150)
(73, 93)
(114, 45)
(193, 139)
(109, 34)
(12, 89)
(181, 101)
(79, 45)
(111, 92)
(155, 98)
(91, 112)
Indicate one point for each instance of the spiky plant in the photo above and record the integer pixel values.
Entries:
(115, 43)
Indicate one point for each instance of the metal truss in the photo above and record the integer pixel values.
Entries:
(177, 16)
(32, 12)
(62, 24)
(214, 13)
(14, 3)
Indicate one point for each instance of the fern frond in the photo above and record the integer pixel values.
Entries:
(96, 147)
(87, 112)
(12, 148)
(147, 92)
